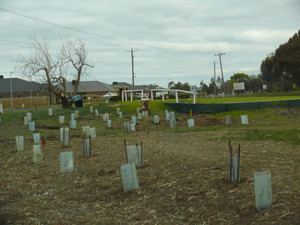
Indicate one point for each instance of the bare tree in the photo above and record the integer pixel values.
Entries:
(56, 68)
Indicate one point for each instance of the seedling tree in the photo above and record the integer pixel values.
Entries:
(234, 172)
(54, 68)
(134, 154)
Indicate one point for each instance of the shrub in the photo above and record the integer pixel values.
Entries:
(185, 95)
(115, 98)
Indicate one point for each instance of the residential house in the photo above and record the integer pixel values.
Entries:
(121, 86)
(19, 88)
(17, 92)
(90, 90)
(151, 87)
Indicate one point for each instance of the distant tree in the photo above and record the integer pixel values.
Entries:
(281, 69)
(204, 88)
(267, 69)
(214, 86)
(239, 77)
(180, 86)
(170, 84)
(201, 84)
(255, 83)
(56, 68)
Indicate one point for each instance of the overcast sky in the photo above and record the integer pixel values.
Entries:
(176, 39)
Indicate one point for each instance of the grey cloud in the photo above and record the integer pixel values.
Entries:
(177, 39)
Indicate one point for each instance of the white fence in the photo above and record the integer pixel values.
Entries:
(125, 94)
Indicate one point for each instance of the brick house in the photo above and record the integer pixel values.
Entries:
(20, 88)
(90, 90)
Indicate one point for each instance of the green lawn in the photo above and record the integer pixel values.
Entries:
(236, 99)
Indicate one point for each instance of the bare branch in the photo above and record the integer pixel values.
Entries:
(53, 68)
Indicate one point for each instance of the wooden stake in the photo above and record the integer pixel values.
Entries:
(238, 169)
(90, 146)
(137, 152)
(125, 150)
(63, 142)
(230, 152)
(83, 136)
(142, 154)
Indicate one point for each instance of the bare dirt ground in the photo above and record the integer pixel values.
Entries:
(185, 179)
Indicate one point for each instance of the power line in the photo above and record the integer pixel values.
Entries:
(31, 27)
(20, 43)
(17, 42)
(165, 53)
(64, 27)
(91, 33)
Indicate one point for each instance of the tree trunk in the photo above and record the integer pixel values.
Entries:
(65, 102)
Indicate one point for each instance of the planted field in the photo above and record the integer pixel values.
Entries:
(184, 179)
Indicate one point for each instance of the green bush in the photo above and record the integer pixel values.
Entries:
(181, 95)
(115, 98)
(185, 95)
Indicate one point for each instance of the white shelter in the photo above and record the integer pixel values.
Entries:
(125, 93)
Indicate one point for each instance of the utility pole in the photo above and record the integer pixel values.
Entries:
(214, 78)
(11, 94)
(220, 54)
(132, 65)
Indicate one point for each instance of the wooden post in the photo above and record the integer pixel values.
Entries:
(230, 152)
(137, 153)
(90, 146)
(63, 142)
(238, 169)
(83, 137)
(125, 150)
(142, 154)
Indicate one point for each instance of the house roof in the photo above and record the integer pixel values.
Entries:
(18, 85)
(124, 84)
(149, 87)
(121, 84)
(86, 86)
